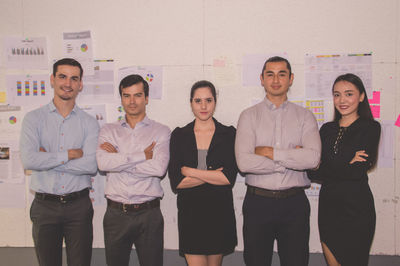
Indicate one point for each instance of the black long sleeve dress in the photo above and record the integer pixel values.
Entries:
(206, 217)
(346, 213)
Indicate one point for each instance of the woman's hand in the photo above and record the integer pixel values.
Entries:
(359, 157)
(186, 171)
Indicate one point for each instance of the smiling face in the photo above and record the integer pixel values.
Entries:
(346, 98)
(276, 79)
(134, 101)
(203, 104)
(66, 82)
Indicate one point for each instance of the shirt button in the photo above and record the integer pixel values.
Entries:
(62, 134)
(61, 148)
(62, 173)
(62, 162)
(210, 167)
(62, 187)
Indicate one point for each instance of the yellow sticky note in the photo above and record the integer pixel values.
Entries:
(3, 96)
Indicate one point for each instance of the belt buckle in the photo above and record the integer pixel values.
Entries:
(124, 207)
(62, 199)
(136, 206)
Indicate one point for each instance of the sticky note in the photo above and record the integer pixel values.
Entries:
(376, 111)
(3, 96)
(397, 121)
(376, 98)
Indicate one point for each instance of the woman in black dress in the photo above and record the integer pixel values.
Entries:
(346, 213)
(202, 170)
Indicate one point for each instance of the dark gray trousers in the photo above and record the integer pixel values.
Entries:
(144, 229)
(54, 221)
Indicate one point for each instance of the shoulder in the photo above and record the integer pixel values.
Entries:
(180, 131)
(160, 128)
(229, 130)
(37, 115)
(300, 110)
(328, 127)
(89, 120)
(369, 125)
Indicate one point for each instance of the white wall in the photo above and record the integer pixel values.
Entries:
(186, 36)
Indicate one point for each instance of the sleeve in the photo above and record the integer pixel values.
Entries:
(31, 157)
(317, 175)
(369, 141)
(245, 143)
(115, 162)
(157, 166)
(309, 155)
(230, 167)
(175, 160)
(86, 165)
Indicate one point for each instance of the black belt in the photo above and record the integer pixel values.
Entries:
(133, 207)
(63, 198)
(276, 194)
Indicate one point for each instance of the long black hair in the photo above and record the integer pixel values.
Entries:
(364, 111)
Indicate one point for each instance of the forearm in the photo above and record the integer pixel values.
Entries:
(42, 161)
(255, 164)
(215, 177)
(85, 165)
(189, 182)
(297, 159)
(118, 162)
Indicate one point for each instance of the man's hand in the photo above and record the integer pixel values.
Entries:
(75, 154)
(148, 152)
(265, 151)
(108, 147)
(41, 149)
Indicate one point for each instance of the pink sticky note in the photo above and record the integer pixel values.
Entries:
(397, 121)
(219, 63)
(376, 98)
(376, 111)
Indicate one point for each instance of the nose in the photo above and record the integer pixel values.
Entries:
(68, 82)
(132, 99)
(275, 79)
(203, 105)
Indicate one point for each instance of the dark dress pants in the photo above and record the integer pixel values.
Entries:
(144, 229)
(54, 221)
(286, 220)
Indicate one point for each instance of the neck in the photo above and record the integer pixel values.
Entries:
(64, 107)
(132, 120)
(204, 125)
(346, 121)
(277, 100)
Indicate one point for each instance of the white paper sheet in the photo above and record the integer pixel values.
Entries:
(152, 74)
(99, 88)
(10, 121)
(386, 145)
(78, 45)
(25, 53)
(25, 90)
(98, 111)
(322, 70)
(11, 169)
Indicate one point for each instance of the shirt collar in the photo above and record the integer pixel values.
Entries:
(53, 108)
(146, 121)
(272, 106)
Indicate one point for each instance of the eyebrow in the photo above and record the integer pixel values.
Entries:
(280, 71)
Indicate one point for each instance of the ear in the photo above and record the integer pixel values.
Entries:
(146, 99)
(262, 80)
(291, 79)
(80, 86)
(362, 96)
(52, 80)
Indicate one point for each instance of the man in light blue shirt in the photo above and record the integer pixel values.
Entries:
(58, 143)
(135, 154)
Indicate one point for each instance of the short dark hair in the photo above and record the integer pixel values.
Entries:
(277, 59)
(69, 62)
(132, 80)
(202, 84)
(364, 111)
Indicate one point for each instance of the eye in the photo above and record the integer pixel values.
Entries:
(349, 94)
(336, 95)
(209, 100)
(197, 100)
(75, 79)
(282, 74)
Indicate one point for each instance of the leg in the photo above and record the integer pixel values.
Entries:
(214, 260)
(149, 240)
(196, 260)
(47, 232)
(258, 230)
(118, 237)
(294, 230)
(329, 257)
(78, 231)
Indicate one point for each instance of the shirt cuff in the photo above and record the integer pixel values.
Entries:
(62, 157)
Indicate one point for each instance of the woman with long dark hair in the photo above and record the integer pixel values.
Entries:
(346, 214)
(202, 170)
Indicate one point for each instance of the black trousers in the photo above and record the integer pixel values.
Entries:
(286, 220)
(54, 221)
(144, 229)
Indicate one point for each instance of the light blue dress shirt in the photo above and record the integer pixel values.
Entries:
(131, 179)
(52, 172)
